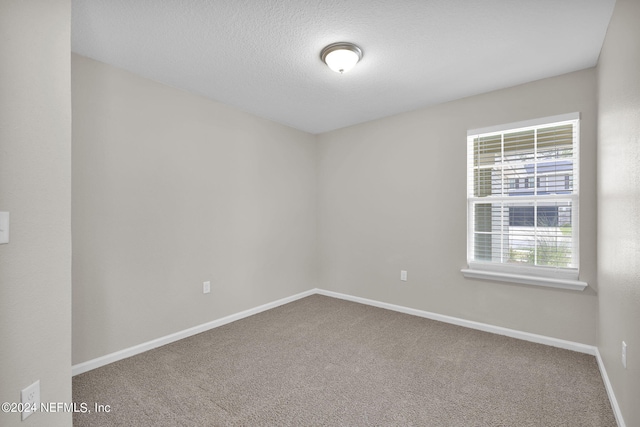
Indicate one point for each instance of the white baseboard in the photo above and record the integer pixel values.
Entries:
(541, 339)
(610, 393)
(146, 346)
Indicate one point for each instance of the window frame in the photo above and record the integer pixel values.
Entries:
(557, 277)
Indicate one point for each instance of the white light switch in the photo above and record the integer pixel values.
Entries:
(4, 227)
(403, 275)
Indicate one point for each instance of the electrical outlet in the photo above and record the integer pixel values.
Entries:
(206, 287)
(624, 354)
(403, 275)
(30, 397)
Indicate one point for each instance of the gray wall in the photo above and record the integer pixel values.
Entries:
(392, 196)
(169, 190)
(619, 205)
(35, 187)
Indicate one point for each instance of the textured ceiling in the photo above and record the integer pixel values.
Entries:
(262, 56)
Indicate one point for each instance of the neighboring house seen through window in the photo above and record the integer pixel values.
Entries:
(522, 200)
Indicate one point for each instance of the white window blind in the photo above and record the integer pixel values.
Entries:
(522, 198)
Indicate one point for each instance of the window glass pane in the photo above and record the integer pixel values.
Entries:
(486, 149)
(486, 181)
(554, 235)
(486, 220)
(519, 146)
(482, 217)
(555, 142)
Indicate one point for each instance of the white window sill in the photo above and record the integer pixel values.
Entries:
(575, 285)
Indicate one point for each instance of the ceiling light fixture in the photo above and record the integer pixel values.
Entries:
(341, 57)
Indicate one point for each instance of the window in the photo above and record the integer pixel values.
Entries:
(524, 233)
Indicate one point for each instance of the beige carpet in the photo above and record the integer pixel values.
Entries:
(321, 361)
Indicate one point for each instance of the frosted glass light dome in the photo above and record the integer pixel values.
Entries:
(341, 57)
